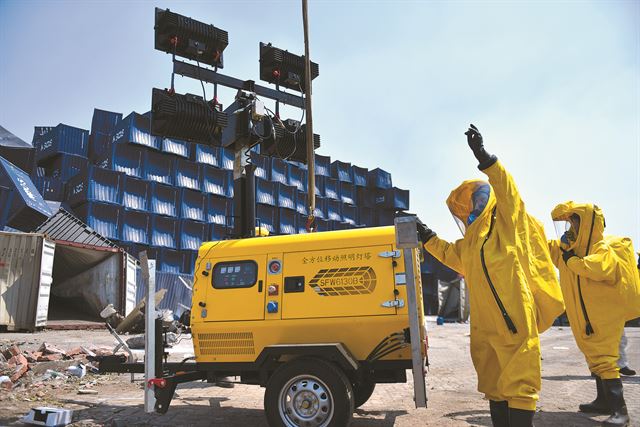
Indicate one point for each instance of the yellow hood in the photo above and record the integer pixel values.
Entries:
(460, 202)
(591, 224)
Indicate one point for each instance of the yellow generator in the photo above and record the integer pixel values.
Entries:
(318, 319)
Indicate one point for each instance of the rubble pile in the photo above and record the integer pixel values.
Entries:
(47, 368)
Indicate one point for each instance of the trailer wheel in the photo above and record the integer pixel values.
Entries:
(308, 392)
(362, 391)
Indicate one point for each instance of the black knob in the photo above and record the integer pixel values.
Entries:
(205, 273)
(202, 304)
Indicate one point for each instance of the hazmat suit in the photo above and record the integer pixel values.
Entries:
(505, 261)
(601, 289)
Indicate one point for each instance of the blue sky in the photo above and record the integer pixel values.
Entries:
(553, 86)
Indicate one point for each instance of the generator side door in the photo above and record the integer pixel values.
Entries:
(342, 282)
(235, 290)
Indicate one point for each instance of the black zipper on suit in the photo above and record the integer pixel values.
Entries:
(503, 311)
(588, 329)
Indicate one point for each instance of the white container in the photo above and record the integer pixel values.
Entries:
(44, 416)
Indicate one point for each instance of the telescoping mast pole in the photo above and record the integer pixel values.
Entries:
(311, 163)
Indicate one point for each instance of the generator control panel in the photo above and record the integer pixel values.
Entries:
(242, 274)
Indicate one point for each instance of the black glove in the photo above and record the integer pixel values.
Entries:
(424, 232)
(567, 255)
(474, 139)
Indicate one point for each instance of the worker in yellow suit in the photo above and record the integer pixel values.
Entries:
(504, 258)
(601, 289)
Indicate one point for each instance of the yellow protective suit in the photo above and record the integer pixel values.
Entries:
(604, 272)
(504, 249)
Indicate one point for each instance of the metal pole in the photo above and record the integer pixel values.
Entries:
(311, 164)
(148, 268)
(407, 240)
(420, 392)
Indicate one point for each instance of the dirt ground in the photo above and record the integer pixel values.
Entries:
(453, 399)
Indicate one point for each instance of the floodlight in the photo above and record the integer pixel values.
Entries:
(278, 66)
(186, 117)
(189, 38)
(290, 141)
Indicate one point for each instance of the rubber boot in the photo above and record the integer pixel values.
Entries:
(613, 392)
(598, 406)
(499, 413)
(520, 417)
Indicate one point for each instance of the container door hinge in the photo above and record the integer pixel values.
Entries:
(398, 303)
(390, 254)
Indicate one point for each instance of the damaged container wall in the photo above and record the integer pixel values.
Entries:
(26, 274)
(178, 286)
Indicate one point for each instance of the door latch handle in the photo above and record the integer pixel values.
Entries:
(398, 303)
(259, 285)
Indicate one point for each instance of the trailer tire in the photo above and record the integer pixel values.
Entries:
(308, 389)
(362, 391)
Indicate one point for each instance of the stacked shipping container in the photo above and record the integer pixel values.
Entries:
(168, 196)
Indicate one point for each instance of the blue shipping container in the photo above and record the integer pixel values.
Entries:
(6, 195)
(227, 158)
(341, 171)
(39, 132)
(219, 209)
(177, 147)
(217, 181)
(97, 185)
(136, 193)
(192, 234)
(266, 217)
(104, 122)
(334, 209)
(286, 195)
(62, 139)
(279, 170)
(265, 192)
(393, 198)
(134, 227)
(163, 231)
(206, 154)
(101, 217)
(170, 261)
(365, 216)
(187, 175)
(99, 146)
(262, 164)
(360, 176)
(50, 188)
(63, 166)
(297, 176)
(164, 200)
(193, 204)
(347, 193)
(379, 178)
(190, 258)
(123, 158)
(28, 209)
(158, 167)
(287, 221)
(349, 214)
(331, 190)
(134, 129)
(217, 232)
(323, 165)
